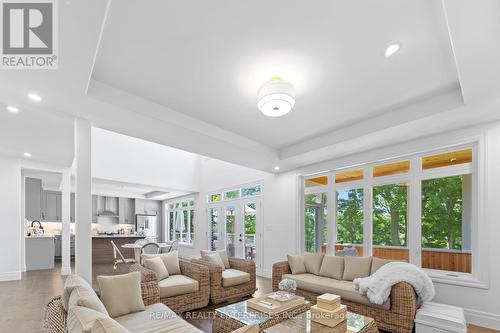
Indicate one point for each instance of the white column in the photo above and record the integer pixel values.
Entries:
(83, 200)
(66, 216)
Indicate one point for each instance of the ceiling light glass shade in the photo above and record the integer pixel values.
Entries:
(276, 97)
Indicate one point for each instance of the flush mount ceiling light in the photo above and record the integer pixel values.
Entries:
(12, 109)
(276, 98)
(392, 49)
(27, 154)
(34, 97)
(276, 168)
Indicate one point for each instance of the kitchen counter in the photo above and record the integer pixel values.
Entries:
(102, 250)
(39, 253)
(41, 236)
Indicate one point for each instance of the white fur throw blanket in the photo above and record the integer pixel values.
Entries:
(377, 287)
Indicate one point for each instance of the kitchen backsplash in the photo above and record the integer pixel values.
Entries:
(55, 228)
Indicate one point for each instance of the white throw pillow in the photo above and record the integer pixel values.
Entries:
(296, 264)
(171, 261)
(86, 298)
(313, 261)
(72, 281)
(215, 259)
(156, 265)
(121, 294)
(222, 254)
(81, 319)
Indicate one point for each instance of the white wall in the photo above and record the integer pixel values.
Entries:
(126, 159)
(10, 221)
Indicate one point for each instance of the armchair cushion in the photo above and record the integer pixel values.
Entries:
(156, 265)
(313, 261)
(121, 294)
(176, 285)
(108, 325)
(234, 277)
(171, 261)
(215, 259)
(86, 298)
(356, 267)
(81, 319)
(296, 264)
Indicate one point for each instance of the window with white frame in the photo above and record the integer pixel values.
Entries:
(236, 193)
(418, 209)
(180, 220)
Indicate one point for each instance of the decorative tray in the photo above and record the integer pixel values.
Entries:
(272, 306)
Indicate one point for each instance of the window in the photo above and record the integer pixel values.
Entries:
(446, 223)
(428, 195)
(181, 221)
(215, 197)
(251, 191)
(232, 194)
(244, 192)
(350, 218)
(390, 221)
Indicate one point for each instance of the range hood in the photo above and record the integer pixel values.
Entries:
(110, 208)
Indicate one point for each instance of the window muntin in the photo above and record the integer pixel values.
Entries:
(316, 222)
(447, 159)
(350, 217)
(391, 169)
(349, 176)
(181, 221)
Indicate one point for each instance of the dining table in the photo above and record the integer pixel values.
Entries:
(137, 249)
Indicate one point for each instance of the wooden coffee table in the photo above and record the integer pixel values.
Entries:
(302, 323)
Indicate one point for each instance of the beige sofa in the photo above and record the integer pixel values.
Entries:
(316, 274)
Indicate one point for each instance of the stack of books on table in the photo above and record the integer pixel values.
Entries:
(329, 312)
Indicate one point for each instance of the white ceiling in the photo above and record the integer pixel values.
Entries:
(207, 60)
(184, 74)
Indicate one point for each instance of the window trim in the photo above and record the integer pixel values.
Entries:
(479, 278)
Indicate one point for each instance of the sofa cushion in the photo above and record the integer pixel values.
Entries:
(72, 281)
(176, 285)
(156, 318)
(82, 319)
(156, 265)
(377, 263)
(356, 267)
(322, 285)
(313, 261)
(234, 277)
(87, 298)
(296, 264)
(222, 254)
(214, 259)
(108, 325)
(171, 261)
(332, 267)
(121, 294)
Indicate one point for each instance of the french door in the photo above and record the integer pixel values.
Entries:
(235, 227)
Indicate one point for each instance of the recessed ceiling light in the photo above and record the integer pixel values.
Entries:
(392, 49)
(12, 109)
(276, 98)
(27, 154)
(276, 168)
(34, 97)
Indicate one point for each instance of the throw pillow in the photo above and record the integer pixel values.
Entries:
(121, 294)
(72, 281)
(296, 264)
(377, 263)
(356, 267)
(332, 267)
(171, 261)
(222, 253)
(156, 265)
(82, 319)
(313, 261)
(86, 298)
(108, 325)
(215, 259)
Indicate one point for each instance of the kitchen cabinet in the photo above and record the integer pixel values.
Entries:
(95, 208)
(53, 206)
(147, 207)
(126, 211)
(58, 246)
(33, 199)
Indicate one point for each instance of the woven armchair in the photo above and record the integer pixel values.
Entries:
(181, 303)
(220, 294)
(398, 319)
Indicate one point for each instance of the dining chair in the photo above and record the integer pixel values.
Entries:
(118, 257)
(173, 246)
(150, 248)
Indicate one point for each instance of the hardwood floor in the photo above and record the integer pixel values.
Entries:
(22, 302)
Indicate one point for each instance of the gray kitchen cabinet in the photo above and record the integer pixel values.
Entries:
(33, 199)
(53, 206)
(148, 207)
(126, 211)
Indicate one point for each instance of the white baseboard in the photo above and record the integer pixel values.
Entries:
(65, 270)
(10, 276)
(483, 319)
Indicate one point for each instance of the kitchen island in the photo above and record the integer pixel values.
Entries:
(102, 250)
(40, 252)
